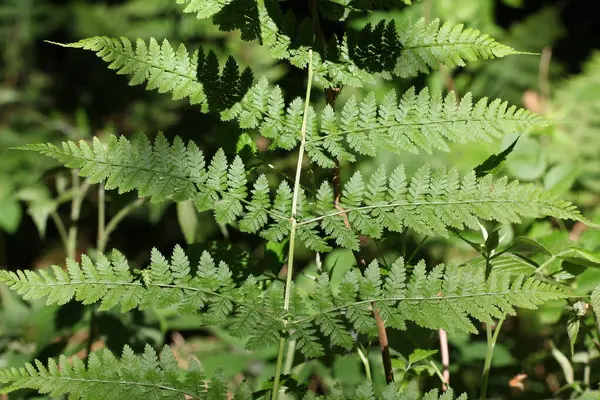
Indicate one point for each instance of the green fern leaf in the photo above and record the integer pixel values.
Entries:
(432, 202)
(418, 121)
(427, 45)
(159, 65)
(203, 8)
(445, 297)
(131, 376)
(166, 283)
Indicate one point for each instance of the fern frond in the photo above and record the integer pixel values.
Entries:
(417, 121)
(426, 46)
(132, 376)
(203, 8)
(432, 202)
(164, 171)
(195, 76)
(446, 297)
(160, 66)
(224, 87)
(387, 51)
(165, 283)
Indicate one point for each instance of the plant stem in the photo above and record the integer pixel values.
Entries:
(290, 269)
(362, 353)
(101, 240)
(79, 193)
(445, 358)
(119, 216)
(491, 343)
(384, 346)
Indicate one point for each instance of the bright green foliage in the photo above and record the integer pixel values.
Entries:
(359, 57)
(445, 297)
(330, 314)
(204, 8)
(426, 46)
(430, 202)
(162, 67)
(210, 291)
(418, 121)
(160, 171)
(407, 51)
(132, 376)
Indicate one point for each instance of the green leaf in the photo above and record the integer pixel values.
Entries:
(494, 160)
(420, 354)
(188, 220)
(572, 331)
(527, 245)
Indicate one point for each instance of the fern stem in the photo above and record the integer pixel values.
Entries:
(60, 226)
(78, 195)
(445, 358)
(491, 343)
(100, 240)
(410, 204)
(290, 269)
(362, 353)
(119, 216)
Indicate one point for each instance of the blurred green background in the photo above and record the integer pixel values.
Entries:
(49, 94)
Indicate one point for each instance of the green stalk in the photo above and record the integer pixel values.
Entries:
(78, 195)
(290, 268)
(491, 343)
(362, 353)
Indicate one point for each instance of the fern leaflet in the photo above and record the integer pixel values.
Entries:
(431, 202)
(418, 121)
(446, 297)
(132, 376)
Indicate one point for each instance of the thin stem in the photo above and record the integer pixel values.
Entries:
(79, 193)
(406, 204)
(445, 358)
(416, 250)
(289, 357)
(362, 353)
(290, 269)
(100, 239)
(491, 343)
(62, 230)
(119, 216)
(439, 374)
(100, 247)
(543, 77)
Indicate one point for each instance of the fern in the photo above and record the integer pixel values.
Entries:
(360, 57)
(427, 45)
(159, 65)
(418, 121)
(430, 203)
(109, 281)
(204, 8)
(264, 312)
(132, 376)
(576, 139)
(443, 298)
(196, 77)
